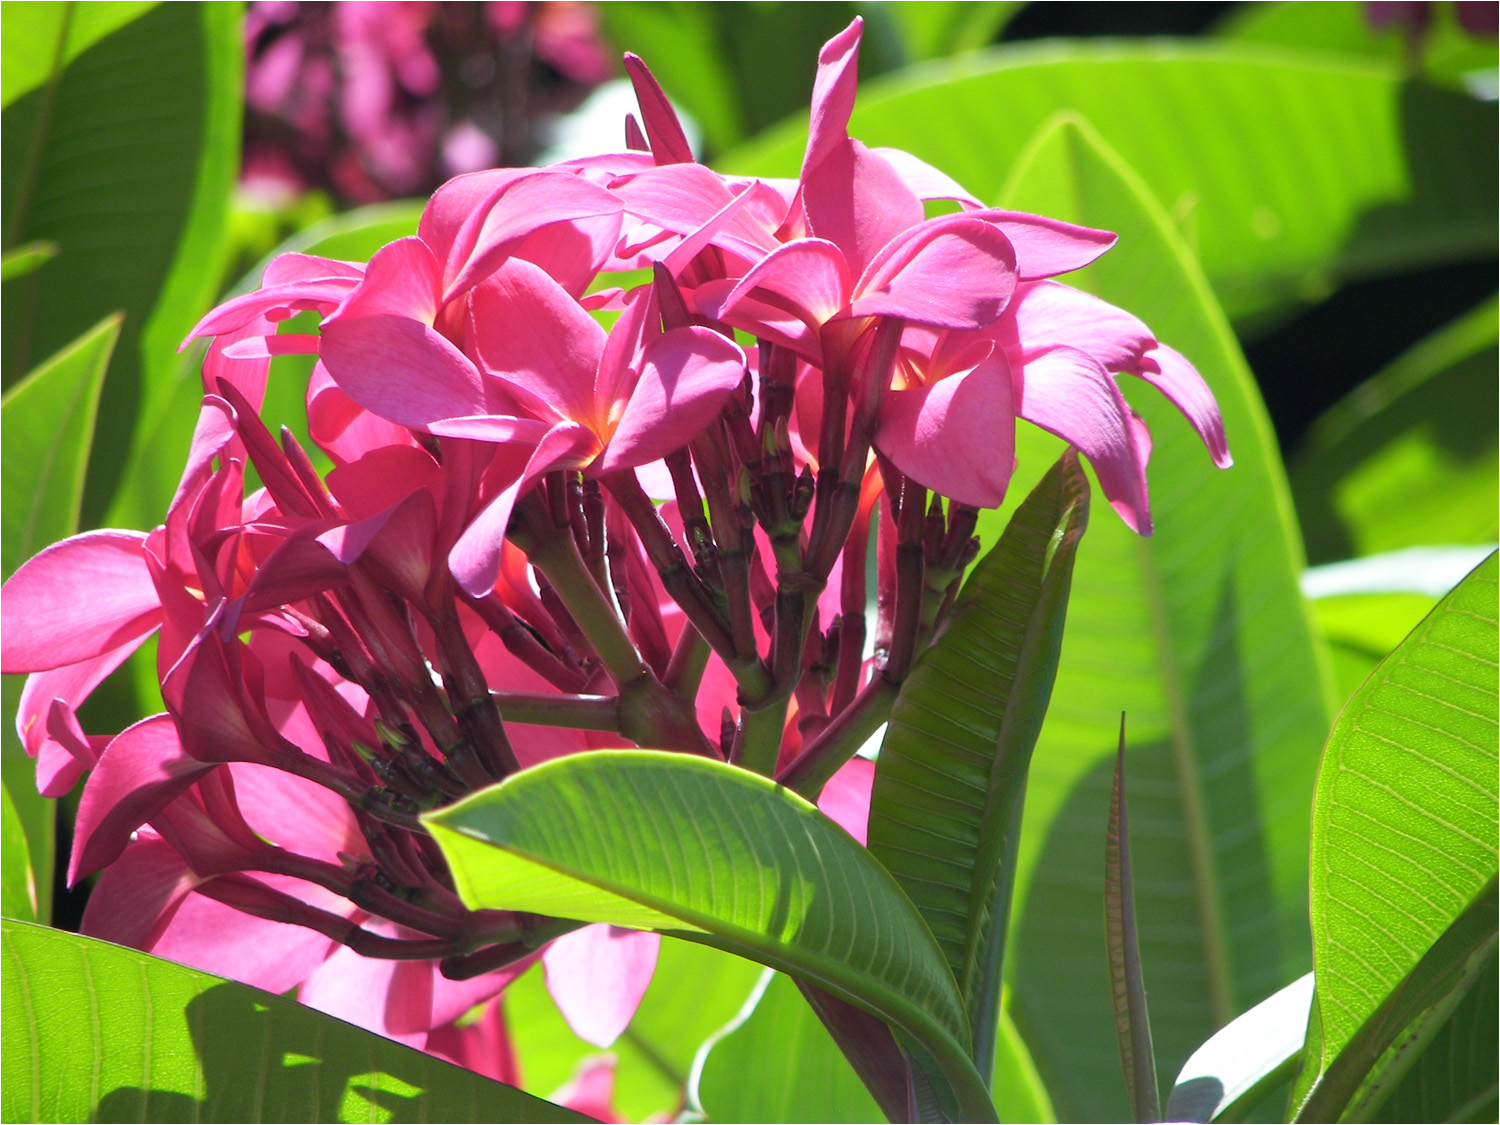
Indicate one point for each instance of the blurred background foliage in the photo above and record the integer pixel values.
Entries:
(1307, 195)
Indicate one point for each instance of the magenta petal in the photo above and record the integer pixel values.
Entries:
(475, 558)
(669, 144)
(403, 279)
(925, 181)
(390, 998)
(808, 278)
(530, 332)
(833, 94)
(769, 322)
(597, 976)
(1045, 247)
(957, 436)
(1049, 314)
(136, 896)
(846, 798)
(950, 273)
(1185, 389)
(321, 294)
(857, 201)
(686, 376)
(141, 769)
(455, 203)
(1067, 392)
(402, 370)
(76, 600)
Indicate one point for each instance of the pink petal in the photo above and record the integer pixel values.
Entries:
(687, 375)
(296, 814)
(950, 273)
(857, 201)
(216, 938)
(669, 144)
(248, 376)
(956, 436)
(833, 94)
(456, 202)
(342, 428)
(390, 998)
(403, 279)
(287, 269)
(846, 798)
(475, 558)
(136, 896)
(925, 181)
(402, 370)
(519, 208)
(77, 600)
(322, 294)
(808, 278)
(1067, 392)
(140, 771)
(67, 753)
(1175, 377)
(1049, 314)
(483, 1046)
(768, 321)
(592, 1090)
(1044, 246)
(452, 998)
(689, 199)
(572, 252)
(597, 976)
(530, 332)
(384, 477)
(71, 684)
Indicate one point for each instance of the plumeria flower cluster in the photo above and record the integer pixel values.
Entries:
(542, 536)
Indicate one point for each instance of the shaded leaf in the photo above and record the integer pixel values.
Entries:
(17, 880)
(1201, 633)
(1404, 819)
(1288, 172)
(48, 420)
(934, 29)
(1018, 1090)
(93, 1031)
(24, 259)
(1244, 1060)
(775, 1062)
(945, 810)
(699, 849)
(1410, 456)
(1127, 985)
(127, 163)
(1353, 1084)
(35, 814)
(41, 37)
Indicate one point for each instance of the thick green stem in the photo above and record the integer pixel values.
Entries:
(582, 712)
(851, 729)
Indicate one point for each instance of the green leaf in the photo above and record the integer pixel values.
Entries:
(1408, 776)
(17, 879)
(1016, 1087)
(1287, 172)
(1245, 1060)
(1447, 51)
(945, 811)
(1410, 456)
(1201, 634)
(1127, 984)
(775, 1062)
(24, 259)
(35, 814)
(1354, 1084)
(934, 29)
(48, 420)
(93, 1031)
(1454, 1079)
(42, 37)
(693, 992)
(127, 163)
(702, 850)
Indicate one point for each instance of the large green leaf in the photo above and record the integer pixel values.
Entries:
(703, 850)
(39, 36)
(934, 29)
(1200, 633)
(17, 879)
(1404, 820)
(35, 814)
(1410, 456)
(48, 420)
(95, 1032)
(945, 811)
(775, 1062)
(126, 162)
(1288, 172)
(694, 992)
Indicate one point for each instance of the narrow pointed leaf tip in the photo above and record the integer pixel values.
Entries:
(705, 851)
(1132, 1023)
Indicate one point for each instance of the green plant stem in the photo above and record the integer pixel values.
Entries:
(850, 730)
(583, 712)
